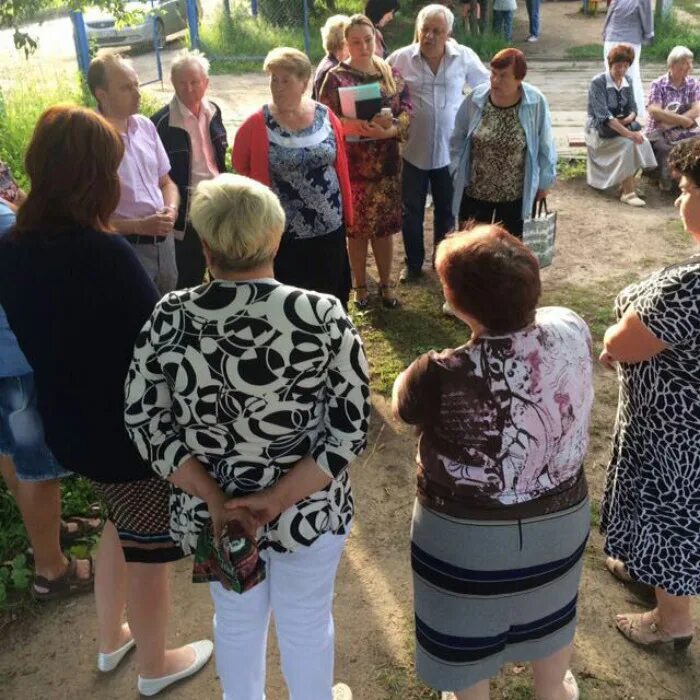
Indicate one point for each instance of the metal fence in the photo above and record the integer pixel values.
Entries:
(245, 30)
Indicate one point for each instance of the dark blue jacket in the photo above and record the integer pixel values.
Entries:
(178, 146)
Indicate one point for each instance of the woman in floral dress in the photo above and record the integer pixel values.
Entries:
(373, 157)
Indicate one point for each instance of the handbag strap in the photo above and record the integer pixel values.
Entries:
(542, 205)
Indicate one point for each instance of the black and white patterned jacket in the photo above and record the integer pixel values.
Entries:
(249, 377)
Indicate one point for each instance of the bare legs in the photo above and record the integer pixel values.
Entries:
(549, 679)
(673, 614)
(628, 184)
(383, 249)
(144, 590)
(39, 503)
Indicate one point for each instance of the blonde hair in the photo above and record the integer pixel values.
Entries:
(292, 60)
(240, 220)
(379, 64)
(333, 33)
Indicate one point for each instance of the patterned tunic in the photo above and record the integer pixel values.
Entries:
(375, 165)
(663, 92)
(249, 377)
(504, 419)
(651, 507)
(498, 155)
(303, 176)
(8, 187)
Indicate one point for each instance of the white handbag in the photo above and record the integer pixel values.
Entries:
(540, 232)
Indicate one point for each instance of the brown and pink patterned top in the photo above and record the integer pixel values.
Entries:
(504, 419)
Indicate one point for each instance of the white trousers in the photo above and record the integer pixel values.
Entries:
(298, 591)
(634, 75)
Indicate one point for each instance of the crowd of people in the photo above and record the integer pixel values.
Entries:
(179, 336)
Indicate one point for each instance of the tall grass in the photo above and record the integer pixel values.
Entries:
(25, 100)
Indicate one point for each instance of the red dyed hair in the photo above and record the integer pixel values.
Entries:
(511, 57)
(72, 163)
(621, 54)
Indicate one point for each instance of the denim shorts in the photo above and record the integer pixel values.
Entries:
(22, 433)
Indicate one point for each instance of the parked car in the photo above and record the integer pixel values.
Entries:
(170, 17)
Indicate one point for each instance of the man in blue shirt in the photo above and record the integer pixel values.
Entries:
(30, 469)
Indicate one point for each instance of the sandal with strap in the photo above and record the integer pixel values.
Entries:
(64, 586)
(361, 301)
(83, 527)
(387, 296)
(648, 634)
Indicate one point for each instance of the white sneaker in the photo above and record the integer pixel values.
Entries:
(633, 200)
(202, 653)
(447, 309)
(532, 38)
(342, 692)
(108, 662)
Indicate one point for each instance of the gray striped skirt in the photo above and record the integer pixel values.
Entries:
(492, 592)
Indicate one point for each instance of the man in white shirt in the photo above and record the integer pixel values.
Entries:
(194, 137)
(436, 69)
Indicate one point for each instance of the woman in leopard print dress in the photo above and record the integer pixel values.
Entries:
(651, 508)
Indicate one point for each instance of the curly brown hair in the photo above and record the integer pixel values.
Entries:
(491, 276)
(684, 159)
(621, 54)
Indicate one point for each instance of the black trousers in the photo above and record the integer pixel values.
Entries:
(506, 214)
(189, 256)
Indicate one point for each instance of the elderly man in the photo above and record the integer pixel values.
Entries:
(149, 201)
(436, 69)
(673, 109)
(194, 137)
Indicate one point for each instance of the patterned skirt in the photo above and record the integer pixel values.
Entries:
(377, 206)
(140, 511)
(487, 593)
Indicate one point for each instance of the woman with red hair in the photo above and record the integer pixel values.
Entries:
(502, 149)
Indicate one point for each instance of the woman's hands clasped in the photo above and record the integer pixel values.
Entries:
(259, 508)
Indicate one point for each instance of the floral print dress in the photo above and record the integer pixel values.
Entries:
(375, 165)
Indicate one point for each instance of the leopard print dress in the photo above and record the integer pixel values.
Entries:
(651, 506)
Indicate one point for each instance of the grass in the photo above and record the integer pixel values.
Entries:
(393, 340)
(670, 31)
(571, 168)
(239, 43)
(23, 103)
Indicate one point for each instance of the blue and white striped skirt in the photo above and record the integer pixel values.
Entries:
(491, 592)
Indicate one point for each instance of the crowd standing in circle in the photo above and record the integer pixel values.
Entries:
(244, 396)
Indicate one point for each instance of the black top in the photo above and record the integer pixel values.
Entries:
(76, 301)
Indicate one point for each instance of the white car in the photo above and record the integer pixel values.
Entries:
(170, 17)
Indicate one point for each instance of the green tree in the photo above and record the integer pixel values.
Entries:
(14, 14)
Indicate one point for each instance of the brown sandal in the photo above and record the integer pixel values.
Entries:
(649, 634)
(83, 527)
(65, 586)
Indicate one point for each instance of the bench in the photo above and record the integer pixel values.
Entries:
(576, 141)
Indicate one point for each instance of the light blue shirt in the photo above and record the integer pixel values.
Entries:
(541, 158)
(13, 363)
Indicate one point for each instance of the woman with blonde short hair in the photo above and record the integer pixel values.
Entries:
(295, 146)
(252, 397)
(335, 46)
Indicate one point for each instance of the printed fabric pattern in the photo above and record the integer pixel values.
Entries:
(249, 378)
(651, 509)
(303, 176)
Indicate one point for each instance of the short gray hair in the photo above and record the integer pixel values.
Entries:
(678, 54)
(333, 33)
(241, 221)
(187, 57)
(431, 11)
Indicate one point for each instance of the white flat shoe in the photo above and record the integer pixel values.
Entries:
(108, 662)
(342, 692)
(570, 682)
(633, 200)
(202, 653)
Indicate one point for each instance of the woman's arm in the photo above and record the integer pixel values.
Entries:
(547, 156)
(630, 341)
(241, 151)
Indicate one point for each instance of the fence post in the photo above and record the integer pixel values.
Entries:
(193, 23)
(82, 48)
(156, 46)
(307, 35)
(254, 8)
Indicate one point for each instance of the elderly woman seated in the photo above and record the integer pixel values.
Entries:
(252, 390)
(673, 107)
(616, 147)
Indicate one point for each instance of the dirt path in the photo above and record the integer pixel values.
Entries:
(51, 654)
